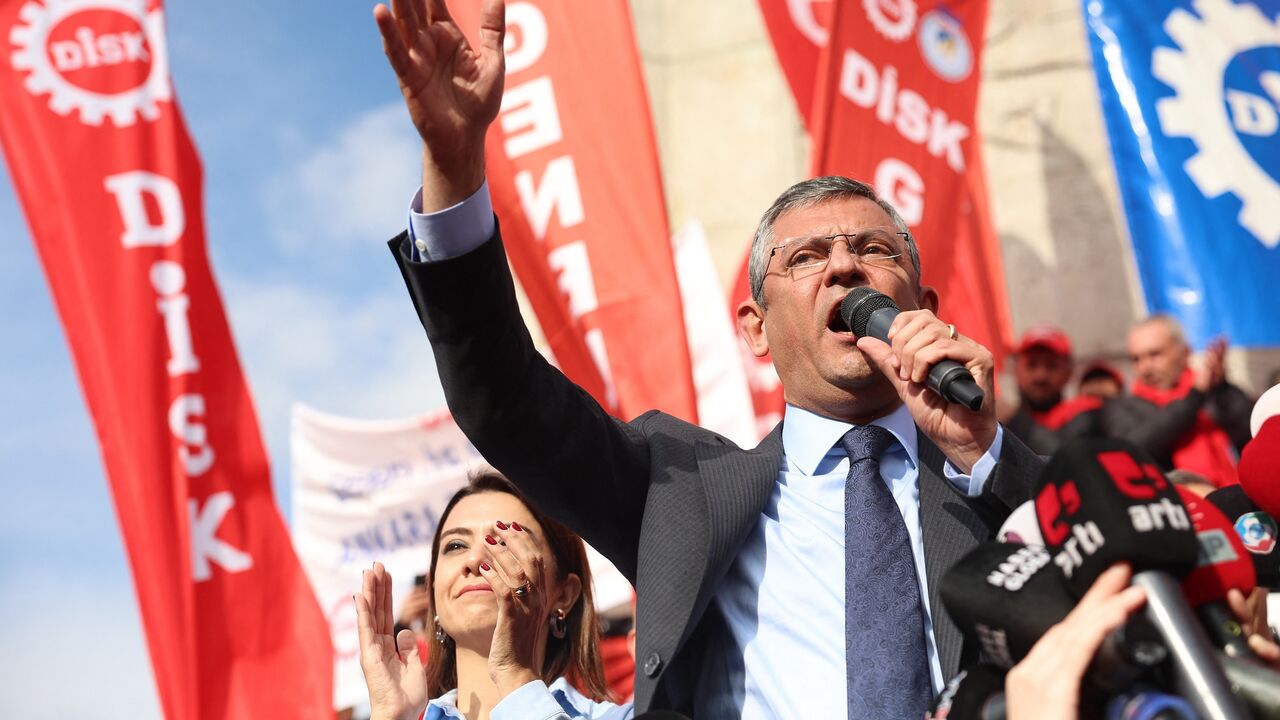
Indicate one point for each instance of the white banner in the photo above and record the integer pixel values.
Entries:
(373, 490)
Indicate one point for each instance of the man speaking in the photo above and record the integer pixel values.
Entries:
(795, 579)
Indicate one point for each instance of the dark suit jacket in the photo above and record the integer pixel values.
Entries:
(668, 502)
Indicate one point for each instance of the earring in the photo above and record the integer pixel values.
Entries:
(558, 626)
(441, 635)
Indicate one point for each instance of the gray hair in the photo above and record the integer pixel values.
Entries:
(807, 194)
(1168, 322)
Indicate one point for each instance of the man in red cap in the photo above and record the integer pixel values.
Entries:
(1042, 366)
(1189, 419)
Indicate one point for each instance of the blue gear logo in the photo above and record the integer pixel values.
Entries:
(1227, 106)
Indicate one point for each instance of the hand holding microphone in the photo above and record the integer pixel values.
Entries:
(941, 376)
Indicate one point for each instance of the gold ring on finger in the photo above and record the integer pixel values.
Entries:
(951, 331)
(522, 590)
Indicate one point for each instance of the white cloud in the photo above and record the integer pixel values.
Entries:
(359, 356)
(350, 189)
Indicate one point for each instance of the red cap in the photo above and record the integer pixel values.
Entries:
(1047, 337)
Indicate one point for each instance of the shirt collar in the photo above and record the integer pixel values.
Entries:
(445, 706)
(807, 436)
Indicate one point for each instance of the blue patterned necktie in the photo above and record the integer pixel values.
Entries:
(886, 663)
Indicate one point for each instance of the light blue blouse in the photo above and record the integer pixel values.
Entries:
(536, 701)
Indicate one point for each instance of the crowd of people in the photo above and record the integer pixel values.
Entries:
(795, 579)
(1188, 418)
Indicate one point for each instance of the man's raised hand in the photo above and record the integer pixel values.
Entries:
(452, 90)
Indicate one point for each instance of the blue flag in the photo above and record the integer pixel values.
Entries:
(1191, 95)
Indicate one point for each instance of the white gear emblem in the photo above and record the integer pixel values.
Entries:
(895, 29)
(31, 54)
(1195, 72)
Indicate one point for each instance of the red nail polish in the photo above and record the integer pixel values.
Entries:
(489, 539)
(516, 526)
(501, 526)
(485, 567)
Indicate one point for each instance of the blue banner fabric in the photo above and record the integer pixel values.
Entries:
(1191, 95)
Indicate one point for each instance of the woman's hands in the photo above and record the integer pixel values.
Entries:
(1046, 684)
(516, 574)
(396, 680)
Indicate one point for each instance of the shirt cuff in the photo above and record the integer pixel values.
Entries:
(453, 231)
(531, 701)
(973, 483)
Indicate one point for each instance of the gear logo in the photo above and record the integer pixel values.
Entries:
(894, 19)
(100, 57)
(1234, 123)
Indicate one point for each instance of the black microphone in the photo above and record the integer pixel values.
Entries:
(1257, 531)
(1104, 501)
(870, 313)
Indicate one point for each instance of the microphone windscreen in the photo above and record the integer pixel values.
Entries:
(1257, 531)
(975, 693)
(1005, 596)
(1021, 526)
(1267, 407)
(1260, 467)
(1103, 501)
(1222, 563)
(858, 306)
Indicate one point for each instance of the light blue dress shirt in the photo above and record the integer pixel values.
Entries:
(783, 597)
(535, 701)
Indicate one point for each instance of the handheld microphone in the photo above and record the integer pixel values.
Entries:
(870, 313)
(1258, 686)
(1260, 467)
(1007, 595)
(1021, 526)
(1257, 530)
(1222, 565)
(975, 693)
(1104, 501)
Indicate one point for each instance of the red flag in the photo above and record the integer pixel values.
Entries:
(800, 30)
(110, 184)
(895, 106)
(574, 173)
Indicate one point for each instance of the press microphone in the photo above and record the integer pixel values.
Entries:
(1021, 526)
(975, 693)
(1258, 686)
(1260, 467)
(1103, 501)
(1007, 595)
(1257, 531)
(1222, 565)
(869, 314)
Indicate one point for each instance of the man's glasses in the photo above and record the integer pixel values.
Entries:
(804, 256)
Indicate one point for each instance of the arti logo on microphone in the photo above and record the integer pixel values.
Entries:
(1257, 531)
(1144, 482)
(1054, 506)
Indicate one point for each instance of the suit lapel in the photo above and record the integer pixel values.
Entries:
(950, 529)
(737, 486)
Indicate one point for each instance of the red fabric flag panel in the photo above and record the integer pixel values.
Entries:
(573, 168)
(111, 186)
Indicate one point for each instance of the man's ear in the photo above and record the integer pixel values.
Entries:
(751, 327)
(927, 299)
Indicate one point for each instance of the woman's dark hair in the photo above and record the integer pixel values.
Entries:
(577, 655)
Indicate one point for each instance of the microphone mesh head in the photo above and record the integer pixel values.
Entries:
(859, 304)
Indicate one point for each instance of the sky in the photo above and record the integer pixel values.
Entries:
(309, 161)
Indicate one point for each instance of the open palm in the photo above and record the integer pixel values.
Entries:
(396, 680)
(452, 90)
